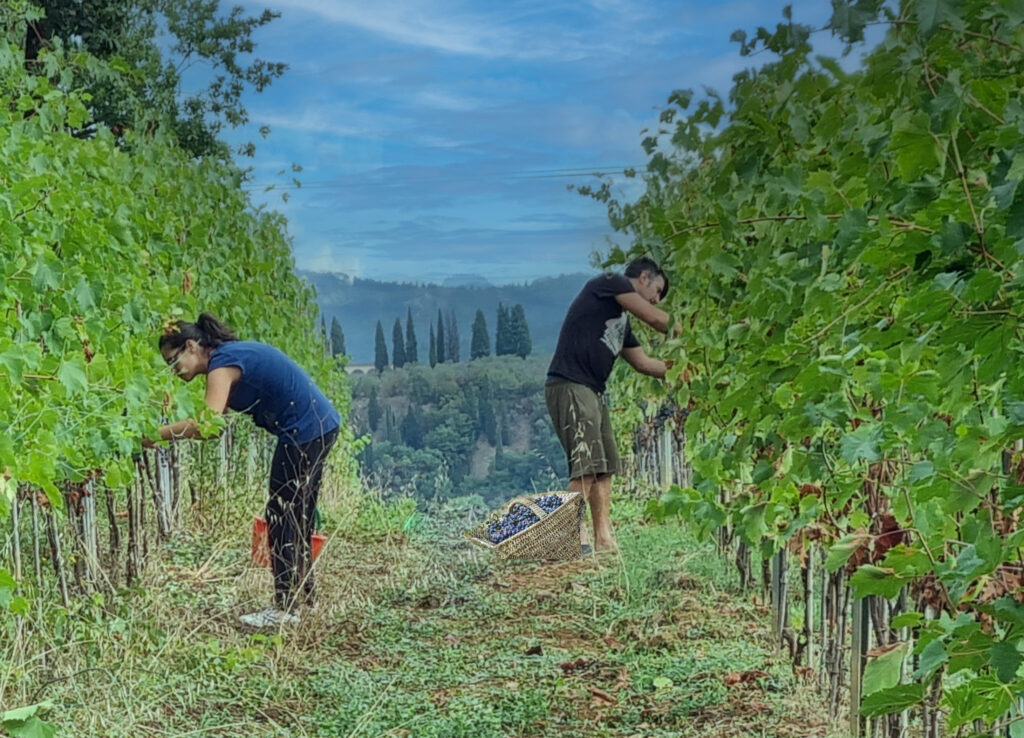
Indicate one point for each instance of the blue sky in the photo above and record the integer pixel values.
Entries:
(438, 138)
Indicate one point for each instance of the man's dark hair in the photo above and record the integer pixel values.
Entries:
(646, 264)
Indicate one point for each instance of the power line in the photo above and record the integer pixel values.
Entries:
(514, 175)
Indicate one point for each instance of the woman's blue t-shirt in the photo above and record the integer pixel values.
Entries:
(276, 392)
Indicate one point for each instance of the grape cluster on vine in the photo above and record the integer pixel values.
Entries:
(520, 517)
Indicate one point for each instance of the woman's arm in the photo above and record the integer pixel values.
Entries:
(218, 388)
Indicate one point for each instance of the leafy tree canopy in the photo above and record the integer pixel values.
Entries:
(148, 47)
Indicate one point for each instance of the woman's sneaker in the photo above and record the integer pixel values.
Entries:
(269, 618)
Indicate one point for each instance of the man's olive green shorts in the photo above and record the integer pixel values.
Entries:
(583, 426)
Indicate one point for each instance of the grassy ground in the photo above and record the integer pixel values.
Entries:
(421, 635)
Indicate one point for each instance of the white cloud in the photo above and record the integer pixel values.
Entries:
(524, 30)
(443, 100)
(420, 24)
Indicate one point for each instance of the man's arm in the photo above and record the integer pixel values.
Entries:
(655, 317)
(643, 363)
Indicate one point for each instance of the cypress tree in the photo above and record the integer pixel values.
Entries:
(412, 428)
(488, 424)
(373, 410)
(432, 356)
(451, 337)
(505, 435)
(519, 332)
(391, 434)
(411, 350)
(480, 345)
(501, 338)
(441, 356)
(499, 450)
(398, 344)
(380, 350)
(337, 338)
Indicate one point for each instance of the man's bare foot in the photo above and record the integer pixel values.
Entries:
(606, 545)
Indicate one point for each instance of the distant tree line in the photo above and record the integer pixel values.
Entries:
(511, 338)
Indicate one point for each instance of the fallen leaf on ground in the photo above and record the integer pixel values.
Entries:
(612, 643)
(743, 677)
(569, 666)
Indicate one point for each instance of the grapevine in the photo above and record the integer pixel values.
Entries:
(845, 250)
(104, 242)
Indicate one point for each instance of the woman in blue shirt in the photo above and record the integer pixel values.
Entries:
(259, 380)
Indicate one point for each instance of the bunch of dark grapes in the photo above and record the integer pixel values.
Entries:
(519, 518)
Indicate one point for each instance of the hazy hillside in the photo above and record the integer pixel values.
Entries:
(359, 303)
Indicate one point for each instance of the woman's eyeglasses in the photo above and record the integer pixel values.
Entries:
(172, 360)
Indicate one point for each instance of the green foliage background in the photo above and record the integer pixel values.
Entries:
(846, 251)
(103, 242)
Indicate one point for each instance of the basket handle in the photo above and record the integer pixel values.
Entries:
(530, 504)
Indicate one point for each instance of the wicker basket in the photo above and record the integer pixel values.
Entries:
(555, 536)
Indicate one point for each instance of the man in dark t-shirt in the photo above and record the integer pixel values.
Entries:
(596, 331)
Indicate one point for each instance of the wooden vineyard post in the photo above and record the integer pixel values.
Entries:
(135, 497)
(16, 537)
(90, 543)
(904, 634)
(71, 493)
(808, 581)
(115, 540)
(823, 623)
(684, 467)
(19, 631)
(665, 457)
(858, 651)
(175, 464)
(36, 556)
(222, 460)
(780, 595)
(722, 536)
(161, 498)
(165, 491)
(832, 657)
(53, 534)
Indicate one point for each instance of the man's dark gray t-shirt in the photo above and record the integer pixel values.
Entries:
(595, 331)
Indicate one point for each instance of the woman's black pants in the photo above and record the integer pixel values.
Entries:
(295, 476)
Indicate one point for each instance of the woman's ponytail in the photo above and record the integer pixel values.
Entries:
(213, 331)
(207, 331)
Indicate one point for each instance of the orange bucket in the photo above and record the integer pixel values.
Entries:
(261, 547)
